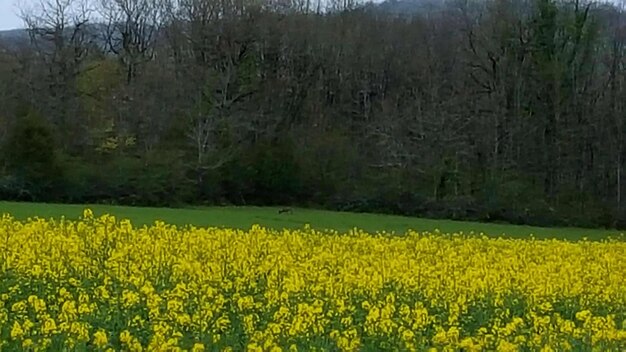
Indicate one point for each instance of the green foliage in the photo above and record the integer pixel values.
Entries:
(266, 173)
(32, 159)
(329, 165)
(125, 179)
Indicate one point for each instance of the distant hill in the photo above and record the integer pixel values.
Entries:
(14, 34)
(17, 37)
(13, 39)
(410, 7)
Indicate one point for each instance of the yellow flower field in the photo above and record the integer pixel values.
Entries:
(100, 284)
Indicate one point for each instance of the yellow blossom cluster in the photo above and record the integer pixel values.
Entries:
(100, 284)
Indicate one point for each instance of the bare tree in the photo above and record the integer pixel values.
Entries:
(59, 32)
(132, 30)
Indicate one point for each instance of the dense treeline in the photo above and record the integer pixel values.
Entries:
(507, 110)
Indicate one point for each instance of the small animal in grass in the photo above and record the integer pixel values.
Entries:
(285, 211)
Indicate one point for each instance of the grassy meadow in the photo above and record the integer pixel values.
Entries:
(245, 217)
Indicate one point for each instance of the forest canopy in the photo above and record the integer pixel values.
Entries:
(495, 110)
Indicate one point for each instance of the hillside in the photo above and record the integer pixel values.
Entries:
(14, 38)
(410, 7)
(514, 116)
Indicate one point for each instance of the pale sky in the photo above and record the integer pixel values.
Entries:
(8, 15)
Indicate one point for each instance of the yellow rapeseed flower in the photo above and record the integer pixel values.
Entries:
(100, 338)
(16, 331)
(27, 343)
(126, 337)
(163, 287)
(197, 347)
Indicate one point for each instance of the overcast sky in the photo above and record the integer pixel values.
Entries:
(8, 16)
